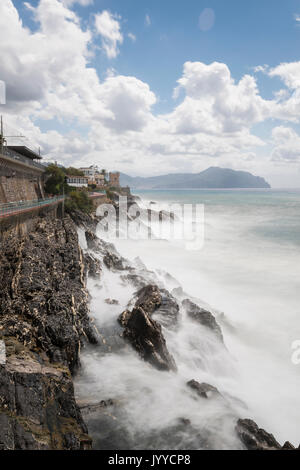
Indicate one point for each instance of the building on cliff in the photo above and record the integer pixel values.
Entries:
(21, 174)
(114, 179)
(77, 181)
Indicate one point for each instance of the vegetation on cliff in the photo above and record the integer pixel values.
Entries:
(79, 200)
(56, 176)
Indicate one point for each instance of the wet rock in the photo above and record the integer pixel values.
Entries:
(149, 298)
(113, 262)
(203, 390)
(87, 408)
(168, 310)
(87, 221)
(288, 446)
(38, 408)
(44, 321)
(202, 316)
(145, 335)
(111, 339)
(92, 265)
(134, 279)
(255, 438)
(111, 301)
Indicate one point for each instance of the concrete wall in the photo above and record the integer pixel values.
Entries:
(22, 224)
(19, 182)
(17, 189)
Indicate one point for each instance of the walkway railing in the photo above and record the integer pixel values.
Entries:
(13, 208)
(20, 158)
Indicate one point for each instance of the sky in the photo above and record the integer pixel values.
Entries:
(154, 87)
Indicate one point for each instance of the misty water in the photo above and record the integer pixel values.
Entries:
(247, 274)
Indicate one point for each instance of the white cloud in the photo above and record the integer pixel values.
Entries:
(147, 20)
(207, 19)
(49, 77)
(132, 37)
(108, 26)
(289, 73)
(84, 3)
(215, 103)
(129, 100)
(287, 145)
(297, 18)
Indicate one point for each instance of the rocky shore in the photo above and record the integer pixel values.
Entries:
(45, 323)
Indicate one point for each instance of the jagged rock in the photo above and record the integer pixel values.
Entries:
(288, 446)
(168, 310)
(203, 390)
(152, 299)
(113, 262)
(202, 316)
(145, 335)
(44, 315)
(92, 265)
(93, 242)
(255, 438)
(92, 407)
(87, 221)
(134, 279)
(149, 299)
(38, 408)
(111, 301)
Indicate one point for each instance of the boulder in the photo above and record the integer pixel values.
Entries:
(202, 316)
(255, 438)
(203, 390)
(92, 266)
(145, 335)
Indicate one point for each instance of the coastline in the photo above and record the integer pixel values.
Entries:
(134, 330)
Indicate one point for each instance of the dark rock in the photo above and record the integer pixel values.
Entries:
(137, 281)
(255, 438)
(38, 408)
(145, 335)
(203, 390)
(93, 407)
(168, 310)
(202, 316)
(44, 320)
(288, 446)
(113, 262)
(149, 299)
(111, 301)
(92, 265)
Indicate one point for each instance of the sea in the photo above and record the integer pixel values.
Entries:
(246, 272)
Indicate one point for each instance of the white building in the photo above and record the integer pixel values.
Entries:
(77, 181)
(90, 172)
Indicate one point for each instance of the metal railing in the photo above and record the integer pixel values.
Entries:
(16, 156)
(12, 208)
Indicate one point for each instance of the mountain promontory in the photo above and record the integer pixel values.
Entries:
(212, 178)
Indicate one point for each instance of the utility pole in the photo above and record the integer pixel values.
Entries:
(1, 137)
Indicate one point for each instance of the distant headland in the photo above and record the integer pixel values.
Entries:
(212, 178)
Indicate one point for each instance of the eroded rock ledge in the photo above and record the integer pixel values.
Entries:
(43, 322)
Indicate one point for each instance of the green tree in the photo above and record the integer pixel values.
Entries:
(79, 200)
(55, 179)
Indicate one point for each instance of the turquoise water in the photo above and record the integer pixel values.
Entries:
(277, 212)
